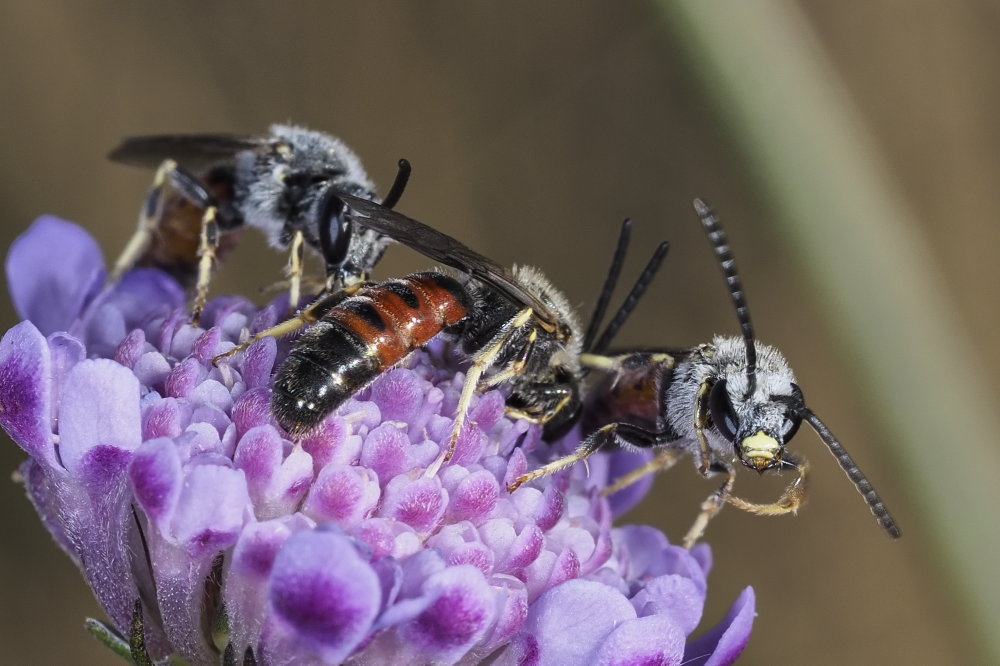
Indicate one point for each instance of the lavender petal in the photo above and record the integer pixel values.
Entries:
(51, 294)
(724, 643)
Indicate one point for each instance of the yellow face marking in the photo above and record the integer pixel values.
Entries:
(760, 449)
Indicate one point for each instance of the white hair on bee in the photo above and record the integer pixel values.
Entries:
(285, 187)
(311, 147)
(774, 375)
(535, 283)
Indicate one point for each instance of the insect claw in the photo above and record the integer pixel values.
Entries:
(511, 487)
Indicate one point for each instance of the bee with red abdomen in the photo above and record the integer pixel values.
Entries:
(514, 326)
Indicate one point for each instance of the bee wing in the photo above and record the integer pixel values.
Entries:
(444, 249)
(193, 151)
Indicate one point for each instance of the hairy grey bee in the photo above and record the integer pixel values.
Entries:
(732, 401)
(275, 183)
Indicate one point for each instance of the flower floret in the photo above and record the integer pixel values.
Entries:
(167, 480)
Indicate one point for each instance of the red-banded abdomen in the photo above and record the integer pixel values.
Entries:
(359, 339)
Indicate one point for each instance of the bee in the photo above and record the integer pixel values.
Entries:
(515, 327)
(274, 183)
(731, 400)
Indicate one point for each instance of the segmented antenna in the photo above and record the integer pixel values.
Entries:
(652, 266)
(398, 185)
(724, 255)
(882, 515)
(610, 282)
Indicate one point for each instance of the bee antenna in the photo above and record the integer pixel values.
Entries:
(610, 281)
(398, 185)
(638, 289)
(882, 515)
(724, 255)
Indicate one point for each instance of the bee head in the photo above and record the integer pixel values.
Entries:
(754, 402)
(758, 423)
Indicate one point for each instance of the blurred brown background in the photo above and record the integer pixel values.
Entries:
(534, 130)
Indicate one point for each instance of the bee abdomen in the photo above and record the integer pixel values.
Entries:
(398, 316)
(359, 339)
(327, 365)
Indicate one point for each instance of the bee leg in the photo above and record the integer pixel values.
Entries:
(663, 461)
(482, 360)
(151, 214)
(588, 447)
(792, 497)
(149, 219)
(545, 417)
(515, 368)
(618, 363)
(294, 270)
(712, 505)
(700, 421)
(706, 466)
(209, 240)
(309, 284)
(306, 316)
(625, 432)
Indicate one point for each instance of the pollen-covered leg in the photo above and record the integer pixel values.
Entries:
(464, 400)
(700, 421)
(663, 461)
(307, 285)
(791, 499)
(294, 270)
(619, 365)
(624, 432)
(209, 240)
(710, 507)
(591, 445)
(515, 368)
(304, 317)
(149, 219)
(483, 359)
(540, 419)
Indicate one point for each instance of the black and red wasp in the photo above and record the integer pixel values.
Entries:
(514, 326)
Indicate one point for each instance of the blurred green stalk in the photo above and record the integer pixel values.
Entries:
(798, 130)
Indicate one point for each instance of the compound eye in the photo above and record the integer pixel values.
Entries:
(721, 410)
(791, 427)
(334, 230)
(794, 420)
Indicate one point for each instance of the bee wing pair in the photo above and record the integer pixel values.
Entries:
(447, 250)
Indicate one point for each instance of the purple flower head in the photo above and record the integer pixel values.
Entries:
(167, 480)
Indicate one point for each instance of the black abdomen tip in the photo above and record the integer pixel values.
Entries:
(304, 394)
